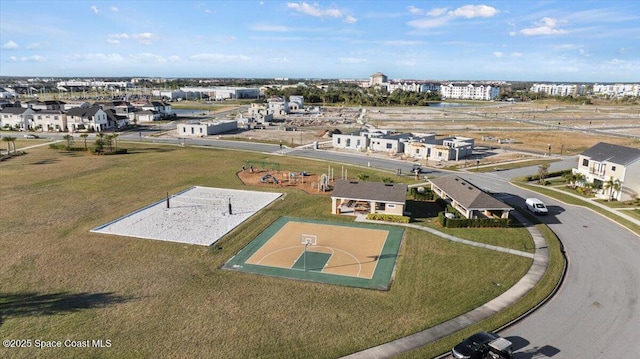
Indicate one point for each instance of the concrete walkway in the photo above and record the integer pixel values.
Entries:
(512, 295)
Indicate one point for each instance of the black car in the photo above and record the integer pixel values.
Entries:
(483, 345)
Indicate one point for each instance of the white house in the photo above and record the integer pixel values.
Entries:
(16, 117)
(605, 163)
(206, 128)
(50, 120)
(353, 141)
(163, 109)
(87, 119)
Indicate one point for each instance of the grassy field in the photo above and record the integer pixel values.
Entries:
(160, 299)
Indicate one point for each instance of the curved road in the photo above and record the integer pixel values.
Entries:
(595, 313)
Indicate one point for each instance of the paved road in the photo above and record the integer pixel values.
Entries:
(595, 314)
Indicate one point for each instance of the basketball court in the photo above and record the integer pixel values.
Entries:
(351, 254)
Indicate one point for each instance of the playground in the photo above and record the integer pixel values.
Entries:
(197, 215)
(349, 254)
(269, 174)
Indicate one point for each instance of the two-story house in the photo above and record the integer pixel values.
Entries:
(87, 119)
(605, 163)
(16, 118)
(49, 120)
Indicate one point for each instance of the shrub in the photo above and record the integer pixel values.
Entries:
(425, 195)
(460, 222)
(393, 218)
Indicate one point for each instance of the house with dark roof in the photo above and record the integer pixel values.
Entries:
(16, 117)
(605, 164)
(360, 197)
(49, 120)
(87, 119)
(468, 199)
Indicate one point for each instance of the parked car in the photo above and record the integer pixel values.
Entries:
(536, 206)
(483, 345)
(31, 136)
(416, 168)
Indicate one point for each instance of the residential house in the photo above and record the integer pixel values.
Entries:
(358, 141)
(605, 164)
(50, 120)
(16, 117)
(353, 197)
(277, 106)
(206, 128)
(468, 199)
(92, 119)
(163, 109)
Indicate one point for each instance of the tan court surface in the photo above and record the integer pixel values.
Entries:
(354, 251)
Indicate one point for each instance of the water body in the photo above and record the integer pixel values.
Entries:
(447, 104)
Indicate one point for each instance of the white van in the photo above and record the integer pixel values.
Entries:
(536, 206)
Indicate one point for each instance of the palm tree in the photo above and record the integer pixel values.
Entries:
(114, 136)
(10, 140)
(69, 140)
(84, 137)
(99, 142)
(542, 172)
(613, 185)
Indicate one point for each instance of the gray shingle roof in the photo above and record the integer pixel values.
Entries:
(468, 195)
(372, 191)
(612, 153)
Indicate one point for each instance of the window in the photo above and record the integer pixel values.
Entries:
(585, 162)
(389, 146)
(613, 168)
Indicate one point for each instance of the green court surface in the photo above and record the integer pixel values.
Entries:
(312, 261)
(316, 260)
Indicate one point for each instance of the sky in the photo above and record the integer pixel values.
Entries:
(556, 41)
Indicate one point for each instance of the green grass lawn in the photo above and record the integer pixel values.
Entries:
(161, 299)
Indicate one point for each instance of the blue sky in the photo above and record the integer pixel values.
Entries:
(560, 41)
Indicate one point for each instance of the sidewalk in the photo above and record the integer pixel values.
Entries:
(511, 296)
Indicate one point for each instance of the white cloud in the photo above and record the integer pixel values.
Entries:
(414, 10)
(314, 10)
(517, 54)
(94, 9)
(146, 58)
(498, 54)
(97, 57)
(546, 26)
(115, 38)
(350, 20)
(471, 11)
(174, 58)
(33, 46)
(406, 62)
(428, 23)
(144, 38)
(114, 8)
(34, 58)
(351, 60)
(218, 58)
(270, 28)
(437, 11)
(10, 45)
(13, 58)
